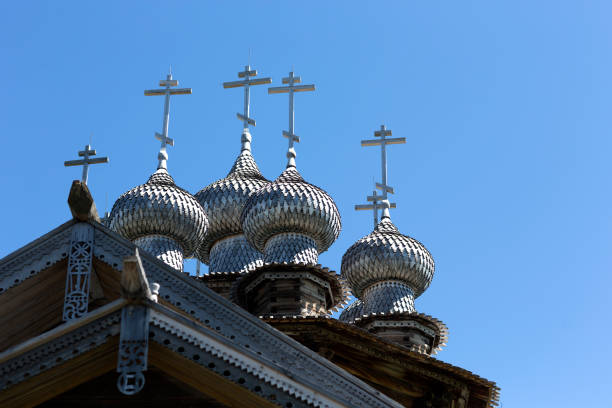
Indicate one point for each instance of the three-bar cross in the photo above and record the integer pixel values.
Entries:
(246, 83)
(86, 161)
(163, 138)
(383, 142)
(291, 88)
(377, 203)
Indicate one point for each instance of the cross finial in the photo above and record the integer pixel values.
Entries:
(86, 161)
(246, 83)
(291, 88)
(163, 138)
(377, 203)
(383, 142)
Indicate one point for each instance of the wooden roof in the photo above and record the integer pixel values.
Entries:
(200, 343)
(400, 373)
(44, 357)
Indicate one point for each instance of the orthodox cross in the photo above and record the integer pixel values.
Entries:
(377, 203)
(86, 161)
(246, 83)
(383, 142)
(291, 89)
(163, 138)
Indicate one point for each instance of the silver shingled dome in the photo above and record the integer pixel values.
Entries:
(387, 255)
(159, 207)
(291, 205)
(224, 200)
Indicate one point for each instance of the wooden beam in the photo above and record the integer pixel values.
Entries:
(34, 306)
(134, 283)
(205, 380)
(63, 377)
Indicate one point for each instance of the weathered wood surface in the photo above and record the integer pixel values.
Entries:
(410, 378)
(134, 283)
(160, 391)
(295, 296)
(205, 380)
(63, 377)
(220, 283)
(34, 306)
(81, 202)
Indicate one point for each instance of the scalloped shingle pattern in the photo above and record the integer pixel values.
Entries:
(159, 207)
(290, 204)
(164, 248)
(386, 254)
(234, 254)
(351, 312)
(224, 200)
(291, 248)
(388, 297)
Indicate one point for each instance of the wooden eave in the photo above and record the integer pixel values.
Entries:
(191, 301)
(36, 375)
(32, 302)
(36, 243)
(103, 359)
(398, 372)
(33, 307)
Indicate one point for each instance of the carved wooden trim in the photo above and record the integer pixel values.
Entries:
(78, 276)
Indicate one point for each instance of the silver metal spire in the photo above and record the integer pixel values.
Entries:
(375, 206)
(246, 83)
(291, 89)
(383, 142)
(163, 138)
(86, 161)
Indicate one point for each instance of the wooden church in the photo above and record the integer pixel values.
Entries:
(99, 312)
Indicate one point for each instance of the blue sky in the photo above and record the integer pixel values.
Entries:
(505, 176)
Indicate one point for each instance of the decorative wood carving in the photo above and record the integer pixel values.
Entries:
(78, 276)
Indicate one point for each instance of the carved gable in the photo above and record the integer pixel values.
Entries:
(191, 334)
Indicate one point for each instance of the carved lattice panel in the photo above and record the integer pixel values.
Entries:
(76, 298)
(133, 349)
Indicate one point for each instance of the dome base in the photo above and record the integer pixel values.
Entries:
(163, 248)
(388, 297)
(291, 248)
(234, 254)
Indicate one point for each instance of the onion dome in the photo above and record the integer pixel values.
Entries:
(160, 215)
(386, 271)
(223, 202)
(290, 220)
(387, 255)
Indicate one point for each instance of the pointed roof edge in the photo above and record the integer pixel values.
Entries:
(61, 330)
(37, 241)
(212, 312)
(295, 381)
(34, 257)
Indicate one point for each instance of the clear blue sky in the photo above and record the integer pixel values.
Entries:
(505, 176)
